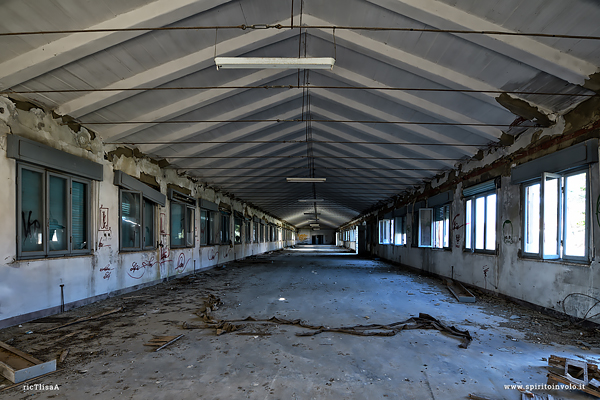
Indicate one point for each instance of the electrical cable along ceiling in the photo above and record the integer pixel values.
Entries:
(416, 86)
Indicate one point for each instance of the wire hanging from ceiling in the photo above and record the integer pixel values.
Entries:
(280, 26)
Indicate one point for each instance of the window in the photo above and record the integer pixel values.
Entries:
(254, 232)
(425, 227)
(214, 227)
(248, 231)
(441, 227)
(137, 221)
(183, 218)
(555, 217)
(237, 229)
(225, 232)
(53, 213)
(400, 231)
(480, 223)
(203, 227)
(386, 229)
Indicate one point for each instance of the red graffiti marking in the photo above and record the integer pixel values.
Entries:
(212, 254)
(103, 219)
(455, 224)
(107, 271)
(181, 263)
(136, 272)
(149, 264)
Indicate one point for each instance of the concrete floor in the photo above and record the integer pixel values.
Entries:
(108, 359)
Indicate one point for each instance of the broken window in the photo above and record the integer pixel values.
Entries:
(386, 229)
(248, 231)
(555, 217)
(400, 231)
(53, 213)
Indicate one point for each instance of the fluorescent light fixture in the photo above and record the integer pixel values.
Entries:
(310, 200)
(312, 213)
(309, 180)
(274, 62)
(313, 225)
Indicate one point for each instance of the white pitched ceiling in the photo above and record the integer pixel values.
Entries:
(398, 107)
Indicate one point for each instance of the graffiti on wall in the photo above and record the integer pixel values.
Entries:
(181, 263)
(107, 271)
(507, 232)
(456, 226)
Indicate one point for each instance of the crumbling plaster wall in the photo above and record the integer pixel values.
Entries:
(540, 282)
(31, 288)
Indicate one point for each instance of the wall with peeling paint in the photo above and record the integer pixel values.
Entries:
(32, 288)
(544, 283)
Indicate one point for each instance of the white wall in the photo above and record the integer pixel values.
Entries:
(31, 288)
(543, 283)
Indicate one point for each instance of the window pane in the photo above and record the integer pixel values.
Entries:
(237, 230)
(479, 220)
(468, 226)
(32, 210)
(575, 207)
(214, 218)
(79, 212)
(57, 218)
(551, 212)
(532, 219)
(130, 220)
(490, 237)
(148, 223)
(177, 224)
(189, 227)
(225, 222)
(425, 223)
(203, 227)
(447, 226)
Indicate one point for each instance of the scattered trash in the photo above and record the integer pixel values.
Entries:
(92, 317)
(17, 366)
(28, 332)
(479, 397)
(423, 321)
(575, 372)
(162, 341)
(460, 292)
(63, 356)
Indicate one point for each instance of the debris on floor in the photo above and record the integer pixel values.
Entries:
(528, 395)
(479, 397)
(17, 366)
(63, 356)
(162, 341)
(461, 293)
(423, 321)
(581, 374)
(84, 319)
